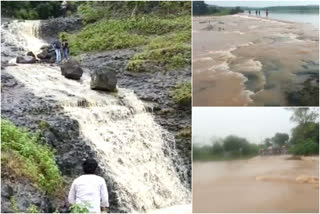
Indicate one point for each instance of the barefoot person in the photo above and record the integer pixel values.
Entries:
(89, 189)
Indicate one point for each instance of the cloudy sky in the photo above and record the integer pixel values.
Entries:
(260, 3)
(253, 123)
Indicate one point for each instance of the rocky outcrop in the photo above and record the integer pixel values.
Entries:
(71, 70)
(52, 27)
(30, 53)
(47, 54)
(104, 80)
(26, 59)
(153, 88)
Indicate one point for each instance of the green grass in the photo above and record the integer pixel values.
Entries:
(24, 156)
(166, 40)
(181, 94)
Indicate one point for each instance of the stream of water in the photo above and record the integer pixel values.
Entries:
(131, 147)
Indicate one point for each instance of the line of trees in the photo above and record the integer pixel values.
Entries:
(200, 8)
(231, 147)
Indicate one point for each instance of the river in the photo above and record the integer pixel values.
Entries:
(242, 60)
(310, 18)
(260, 184)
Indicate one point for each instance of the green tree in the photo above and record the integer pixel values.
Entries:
(280, 139)
(199, 8)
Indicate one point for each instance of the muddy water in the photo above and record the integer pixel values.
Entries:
(267, 184)
(240, 60)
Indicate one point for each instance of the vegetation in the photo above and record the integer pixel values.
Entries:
(295, 9)
(163, 28)
(79, 208)
(229, 148)
(182, 94)
(305, 136)
(200, 8)
(34, 9)
(24, 155)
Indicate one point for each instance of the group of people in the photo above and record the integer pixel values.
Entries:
(258, 12)
(58, 46)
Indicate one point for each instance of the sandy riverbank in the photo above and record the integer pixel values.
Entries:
(261, 185)
(240, 60)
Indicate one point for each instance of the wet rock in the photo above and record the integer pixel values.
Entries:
(71, 70)
(47, 54)
(105, 80)
(30, 53)
(19, 195)
(25, 59)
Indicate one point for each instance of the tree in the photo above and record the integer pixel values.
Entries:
(267, 142)
(199, 8)
(280, 139)
(217, 148)
(304, 115)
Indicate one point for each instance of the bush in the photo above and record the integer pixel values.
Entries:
(307, 147)
(182, 94)
(23, 155)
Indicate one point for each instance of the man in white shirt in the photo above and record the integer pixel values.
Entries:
(89, 189)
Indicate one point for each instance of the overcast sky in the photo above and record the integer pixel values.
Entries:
(260, 3)
(253, 123)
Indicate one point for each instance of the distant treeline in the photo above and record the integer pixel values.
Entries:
(294, 9)
(304, 141)
(200, 8)
(231, 147)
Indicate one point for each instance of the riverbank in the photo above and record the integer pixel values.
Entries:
(261, 185)
(244, 60)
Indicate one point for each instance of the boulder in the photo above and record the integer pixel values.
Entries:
(103, 80)
(71, 70)
(30, 53)
(25, 59)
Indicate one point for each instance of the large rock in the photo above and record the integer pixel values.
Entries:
(71, 70)
(30, 53)
(104, 80)
(25, 59)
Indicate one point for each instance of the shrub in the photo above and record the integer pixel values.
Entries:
(24, 155)
(182, 94)
(308, 147)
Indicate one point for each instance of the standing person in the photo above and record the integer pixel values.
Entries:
(89, 189)
(65, 49)
(256, 12)
(249, 12)
(57, 47)
(259, 12)
(267, 13)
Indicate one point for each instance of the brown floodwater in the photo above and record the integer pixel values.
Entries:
(240, 60)
(261, 184)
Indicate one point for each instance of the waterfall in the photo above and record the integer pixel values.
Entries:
(132, 149)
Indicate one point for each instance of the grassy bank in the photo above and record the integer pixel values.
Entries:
(211, 157)
(25, 156)
(164, 35)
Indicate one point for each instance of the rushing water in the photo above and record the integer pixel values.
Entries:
(260, 185)
(131, 147)
(247, 60)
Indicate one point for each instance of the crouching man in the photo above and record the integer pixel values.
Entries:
(89, 190)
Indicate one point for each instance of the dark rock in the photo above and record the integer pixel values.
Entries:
(25, 59)
(30, 53)
(71, 70)
(104, 80)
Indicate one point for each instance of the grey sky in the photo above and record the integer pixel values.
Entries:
(261, 3)
(253, 123)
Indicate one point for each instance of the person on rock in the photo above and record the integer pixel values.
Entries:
(57, 47)
(89, 189)
(65, 49)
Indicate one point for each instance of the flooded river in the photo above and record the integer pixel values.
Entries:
(240, 60)
(261, 184)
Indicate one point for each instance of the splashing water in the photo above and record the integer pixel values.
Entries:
(132, 149)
